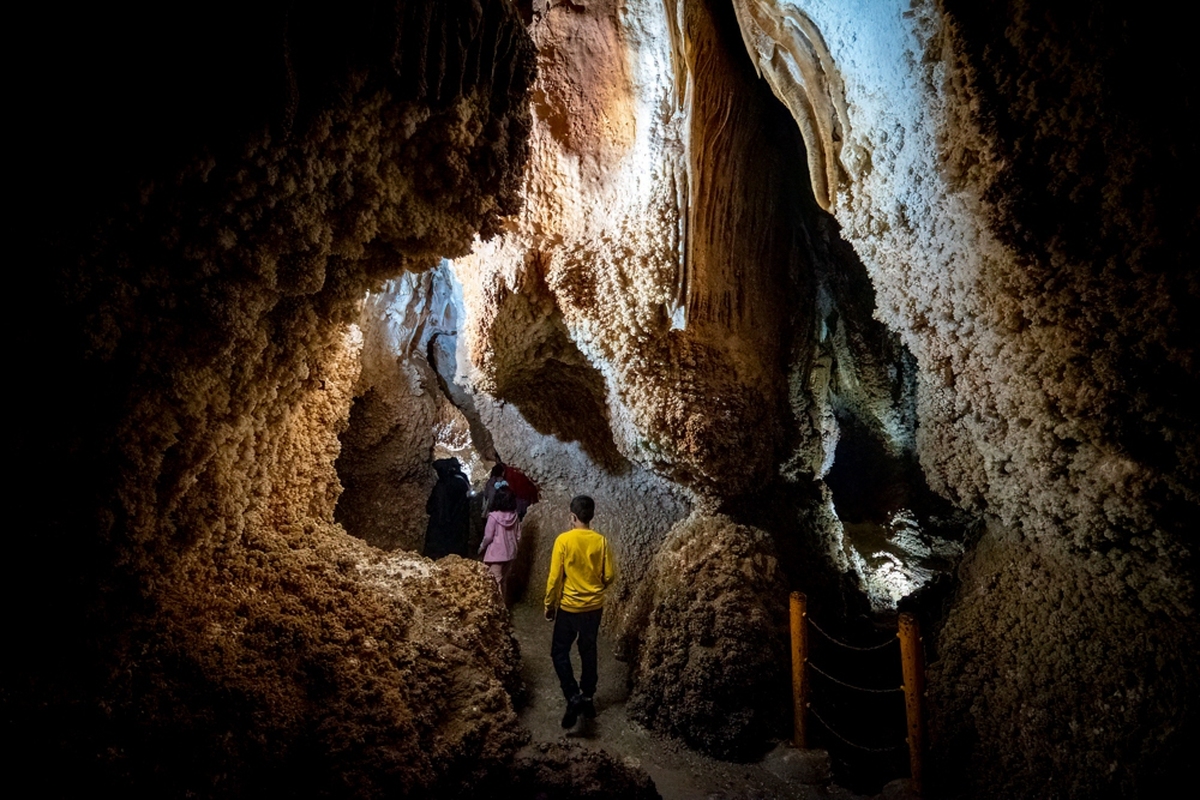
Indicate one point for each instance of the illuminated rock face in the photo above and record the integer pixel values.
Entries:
(659, 283)
(404, 415)
(668, 323)
(1014, 200)
(671, 296)
(1040, 372)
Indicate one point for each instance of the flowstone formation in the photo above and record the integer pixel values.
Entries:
(672, 320)
(658, 280)
(249, 175)
(1016, 199)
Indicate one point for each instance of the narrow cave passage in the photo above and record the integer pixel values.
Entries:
(962, 392)
(769, 383)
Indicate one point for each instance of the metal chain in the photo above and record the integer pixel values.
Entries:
(864, 748)
(820, 671)
(844, 644)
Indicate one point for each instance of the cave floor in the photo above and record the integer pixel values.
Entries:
(678, 772)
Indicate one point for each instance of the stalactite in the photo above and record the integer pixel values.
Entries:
(788, 49)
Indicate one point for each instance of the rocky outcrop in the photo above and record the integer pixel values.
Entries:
(672, 314)
(712, 664)
(669, 320)
(644, 275)
(255, 174)
(404, 415)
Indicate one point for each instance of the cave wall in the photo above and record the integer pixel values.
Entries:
(209, 204)
(645, 252)
(215, 191)
(672, 319)
(404, 414)
(1016, 200)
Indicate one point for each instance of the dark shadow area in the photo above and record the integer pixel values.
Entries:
(566, 400)
(871, 483)
(867, 482)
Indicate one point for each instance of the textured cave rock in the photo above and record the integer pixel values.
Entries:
(1068, 685)
(404, 414)
(1014, 192)
(210, 194)
(659, 279)
(635, 508)
(673, 304)
(246, 179)
(569, 772)
(711, 652)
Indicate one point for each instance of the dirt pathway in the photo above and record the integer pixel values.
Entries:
(679, 773)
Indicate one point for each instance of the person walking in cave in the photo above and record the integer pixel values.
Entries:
(581, 569)
(449, 511)
(501, 538)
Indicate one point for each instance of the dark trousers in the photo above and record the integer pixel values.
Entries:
(567, 625)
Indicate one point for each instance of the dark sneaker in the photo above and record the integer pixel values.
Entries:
(588, 708)
(574, 706)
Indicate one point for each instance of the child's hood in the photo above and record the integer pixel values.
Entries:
(506, 519)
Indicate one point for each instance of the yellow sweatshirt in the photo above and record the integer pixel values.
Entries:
(581, 568)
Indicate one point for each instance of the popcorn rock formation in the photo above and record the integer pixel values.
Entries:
(884, 301)
(211, 630)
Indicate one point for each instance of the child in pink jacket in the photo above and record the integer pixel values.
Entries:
(501, 536)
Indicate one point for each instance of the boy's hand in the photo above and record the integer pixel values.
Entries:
(550, 614)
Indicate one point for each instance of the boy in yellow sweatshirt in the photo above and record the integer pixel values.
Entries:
(581, 569)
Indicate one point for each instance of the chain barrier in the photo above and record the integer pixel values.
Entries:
(846, 741)
(820, 671)
(912, 666)
(879, 646)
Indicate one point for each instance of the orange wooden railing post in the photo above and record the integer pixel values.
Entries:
(799, 606)
(911, 660)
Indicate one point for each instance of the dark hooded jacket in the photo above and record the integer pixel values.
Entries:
(448, 511)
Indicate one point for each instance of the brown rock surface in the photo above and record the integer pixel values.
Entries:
(711, 646)
(570, 772)
(1016, 199)
(209, 632)
(668, 320)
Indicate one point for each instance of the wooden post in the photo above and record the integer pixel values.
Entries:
(799, 607)
(911, 660)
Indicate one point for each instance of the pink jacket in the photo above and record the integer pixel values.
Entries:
(501, 536)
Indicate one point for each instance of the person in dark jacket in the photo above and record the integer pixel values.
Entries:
(495, 480)
(448, 511)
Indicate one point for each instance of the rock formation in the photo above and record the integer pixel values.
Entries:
(712, 656)
(247, 178)
(807, 294)
(1017, 205)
